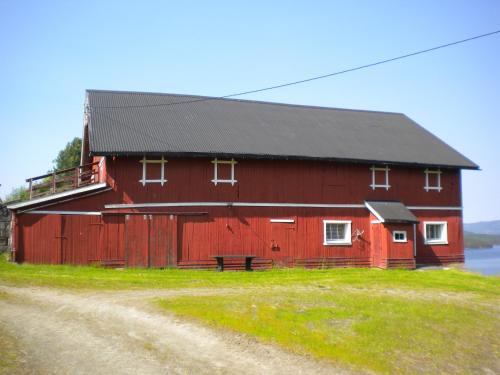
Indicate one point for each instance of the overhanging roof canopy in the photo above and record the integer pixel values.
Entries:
(146, 123)
(391, 212)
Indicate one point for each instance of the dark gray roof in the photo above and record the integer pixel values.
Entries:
(148, 123)
(391, 212)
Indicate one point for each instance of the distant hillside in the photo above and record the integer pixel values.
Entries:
(480, 241)
(484, 227)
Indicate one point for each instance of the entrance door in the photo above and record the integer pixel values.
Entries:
(283, 241)
(162, 249)
(149, 240)
(137, 240)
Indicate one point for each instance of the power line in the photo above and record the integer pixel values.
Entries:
(312, 78)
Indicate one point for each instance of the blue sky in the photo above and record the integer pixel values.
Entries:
(52, 51)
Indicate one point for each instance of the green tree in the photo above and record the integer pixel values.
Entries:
(17, 194)
(69, 156)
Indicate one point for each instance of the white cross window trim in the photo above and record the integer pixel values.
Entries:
(374, 184)
(216, 179)
(437, 186)
(145, 163)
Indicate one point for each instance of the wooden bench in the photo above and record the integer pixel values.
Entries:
(220, 261)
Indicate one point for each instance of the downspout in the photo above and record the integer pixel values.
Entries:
(12, 242)
(415, 241)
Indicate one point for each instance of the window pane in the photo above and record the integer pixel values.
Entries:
(335, 232)
(434, 231)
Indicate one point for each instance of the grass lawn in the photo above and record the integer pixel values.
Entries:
(396, 321)
(371, 330)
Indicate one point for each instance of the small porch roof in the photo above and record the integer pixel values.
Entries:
(391, 212)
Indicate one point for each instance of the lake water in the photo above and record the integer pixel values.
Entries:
(484, 261)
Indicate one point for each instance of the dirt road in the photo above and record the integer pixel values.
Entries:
(64, 332)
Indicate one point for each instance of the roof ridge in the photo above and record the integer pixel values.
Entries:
(243, 100)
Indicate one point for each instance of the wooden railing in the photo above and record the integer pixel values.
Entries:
(64, 179)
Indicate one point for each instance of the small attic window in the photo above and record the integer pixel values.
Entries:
(432, 180)
(153, 171)
(224, 171)
(380, 177)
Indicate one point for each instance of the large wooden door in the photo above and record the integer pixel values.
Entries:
(137, 240)
(150, 240)
(162, 247)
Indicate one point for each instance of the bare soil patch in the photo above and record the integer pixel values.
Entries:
(65, 332)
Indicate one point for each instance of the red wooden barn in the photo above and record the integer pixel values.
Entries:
(173, 180)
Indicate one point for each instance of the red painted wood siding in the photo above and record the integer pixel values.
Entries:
(161, 239)
(58, 239)
(189, 180)
(248, 230)
(449, 253)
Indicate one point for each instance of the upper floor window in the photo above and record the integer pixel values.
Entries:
(153, 171)
(224, 171)
(432, 180)
(337, 232)
(380, 177)
(435, 232)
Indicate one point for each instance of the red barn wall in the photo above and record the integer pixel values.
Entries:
(192, 235)
(189, 180)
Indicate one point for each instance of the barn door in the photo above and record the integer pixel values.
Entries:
(162, 249)
(197, 238)
(149, 241)
(283, 240)
(137, 240)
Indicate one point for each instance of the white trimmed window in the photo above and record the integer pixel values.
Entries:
(432, 180)
(224, 171)
(399, 236)
(380, 177)
(337, 232)
(153, 171)
(435, 232)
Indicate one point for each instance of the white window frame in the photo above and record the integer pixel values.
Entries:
(216, 179)
(437, 172)
(347, 240)
(444, 233)
(145, 163)
(396, 232)
(376, 169)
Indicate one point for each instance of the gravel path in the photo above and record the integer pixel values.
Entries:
(63, 332)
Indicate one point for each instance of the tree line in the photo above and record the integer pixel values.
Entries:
(68, 157)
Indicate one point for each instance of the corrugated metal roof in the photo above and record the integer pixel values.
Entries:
(391, 212)
(150, 123)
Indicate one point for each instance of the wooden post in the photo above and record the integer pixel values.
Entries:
(77, 177)
(53, 182)
(31, 187)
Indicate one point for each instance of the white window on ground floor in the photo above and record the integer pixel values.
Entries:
(337, 232)
(399, 236)
(435, 232)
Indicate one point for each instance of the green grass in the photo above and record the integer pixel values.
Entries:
(84, 277)
(397, 321)
(366, 330)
